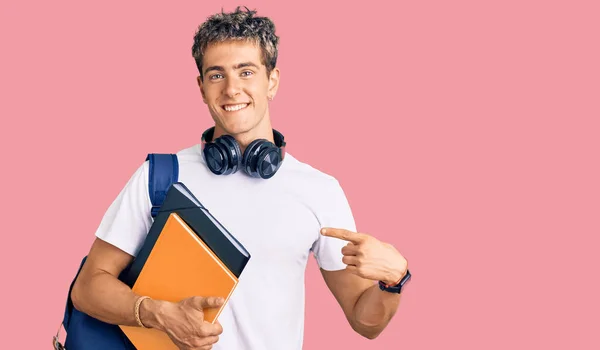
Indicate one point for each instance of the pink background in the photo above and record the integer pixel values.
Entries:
(463, 132)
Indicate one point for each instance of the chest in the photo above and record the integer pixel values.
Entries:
(274, 224)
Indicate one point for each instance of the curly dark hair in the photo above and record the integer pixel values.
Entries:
(237, 25)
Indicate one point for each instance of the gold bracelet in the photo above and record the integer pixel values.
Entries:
(137, 310)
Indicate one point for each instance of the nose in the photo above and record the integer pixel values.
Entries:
(232, 87)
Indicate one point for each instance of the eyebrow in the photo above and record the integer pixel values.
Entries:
(237, 66)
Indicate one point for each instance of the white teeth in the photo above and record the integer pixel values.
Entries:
(232, 108)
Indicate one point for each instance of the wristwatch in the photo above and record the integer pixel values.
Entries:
(395, 288)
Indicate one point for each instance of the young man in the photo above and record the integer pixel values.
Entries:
(276, 208)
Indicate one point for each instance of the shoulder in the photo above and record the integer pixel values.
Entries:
(310, 178)
(187, 158)
(190, 155)
(303, 169)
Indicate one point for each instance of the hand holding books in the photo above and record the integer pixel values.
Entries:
(183, 321)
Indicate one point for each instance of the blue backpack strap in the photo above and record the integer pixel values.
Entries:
(69, 307)
(164, 171)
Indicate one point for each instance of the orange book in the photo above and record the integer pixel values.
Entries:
(179, 266)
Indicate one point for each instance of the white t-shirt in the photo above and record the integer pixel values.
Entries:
(278, 222)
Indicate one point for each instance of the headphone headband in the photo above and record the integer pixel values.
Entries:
(207, 137)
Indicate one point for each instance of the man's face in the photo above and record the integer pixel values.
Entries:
(235, 86)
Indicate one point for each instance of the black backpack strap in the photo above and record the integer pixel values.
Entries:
(164, 171)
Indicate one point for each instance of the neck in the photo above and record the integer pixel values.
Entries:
(261, 131)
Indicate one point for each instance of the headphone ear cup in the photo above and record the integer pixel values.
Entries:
(216, 158)
(269, 161)
(249, 159)
(262, 159)
(234, 153)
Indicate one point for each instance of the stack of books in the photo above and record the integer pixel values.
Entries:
(187, 253)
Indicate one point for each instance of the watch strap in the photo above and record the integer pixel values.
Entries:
(395, 288)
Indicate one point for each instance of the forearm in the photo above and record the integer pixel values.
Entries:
(373, 311)
(105, 298)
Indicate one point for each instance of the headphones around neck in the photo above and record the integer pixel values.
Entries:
(261, 159)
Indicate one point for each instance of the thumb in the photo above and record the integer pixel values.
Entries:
(210, 302)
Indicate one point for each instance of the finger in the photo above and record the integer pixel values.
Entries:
(210, 329)
(210, 302)
(344, 234)
(350, 260)
(350, 249)
(203, 347)
(209, 341)
(218, 329)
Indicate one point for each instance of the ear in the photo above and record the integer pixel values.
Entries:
(273, 82)
(201, 86)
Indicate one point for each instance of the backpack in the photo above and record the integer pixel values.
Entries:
(86, 332)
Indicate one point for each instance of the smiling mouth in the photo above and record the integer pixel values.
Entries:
(236, 107)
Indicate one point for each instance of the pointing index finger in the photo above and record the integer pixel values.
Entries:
(344, 234)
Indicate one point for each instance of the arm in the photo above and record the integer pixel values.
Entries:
(99, 293)
(367, 308)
